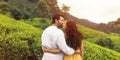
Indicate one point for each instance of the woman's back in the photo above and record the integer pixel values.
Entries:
(72, 57)
(73, 39)
(73, 36)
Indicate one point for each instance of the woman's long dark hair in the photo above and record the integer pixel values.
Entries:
(73, 36)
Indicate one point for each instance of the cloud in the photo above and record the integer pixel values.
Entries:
(95, 10)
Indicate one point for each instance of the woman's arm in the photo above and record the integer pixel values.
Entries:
(82, 51)
(77, 51)
(54, 51)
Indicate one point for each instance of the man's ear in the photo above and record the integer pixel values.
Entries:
(56, 20)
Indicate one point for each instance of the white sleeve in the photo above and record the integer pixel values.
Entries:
(62, 44)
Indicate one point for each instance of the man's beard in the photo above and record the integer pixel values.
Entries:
(60, 26)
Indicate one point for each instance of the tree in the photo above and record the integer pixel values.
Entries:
(33, 1)
(118, 21)
(53, 7)
(65, 10)
(116, 29)
(40, 9)
(116, 26)
(105, 42)
(6, 0)
(34, 8)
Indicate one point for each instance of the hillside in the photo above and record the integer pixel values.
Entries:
(95, 36)
(83, 22)
(90, 33)
(18, 40)
(95, 52)
(28, 9)
(92, 36)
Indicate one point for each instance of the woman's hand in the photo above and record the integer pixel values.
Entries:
(45, 49)
(54, 51)
(77, 51)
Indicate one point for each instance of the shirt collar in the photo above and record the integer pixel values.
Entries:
(54, 26)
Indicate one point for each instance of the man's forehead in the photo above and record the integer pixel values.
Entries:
(62, 18)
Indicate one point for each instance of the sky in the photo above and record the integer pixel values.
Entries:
(97, 11)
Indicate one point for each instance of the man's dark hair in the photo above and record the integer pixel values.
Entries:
(56, 17)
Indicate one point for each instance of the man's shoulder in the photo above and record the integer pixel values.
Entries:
(60, 31)
(53, 29)
(47, 28)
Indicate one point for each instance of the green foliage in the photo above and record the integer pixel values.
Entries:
(12, 11)
(114, 42)
(95, 52)
(44, 23)
(19, 14)
(92, 40)
(5, 8)
(93, 36)
(116, 28)
(53, 7)
(89, 33)
(24, 9)
(105, 42)
(39, 22)
(33, 1)
(18, 40)
(43, 9)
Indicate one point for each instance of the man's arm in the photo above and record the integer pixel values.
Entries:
(62, 44)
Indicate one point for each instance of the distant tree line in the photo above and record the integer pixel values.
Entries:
(24, 9)
(113, 26)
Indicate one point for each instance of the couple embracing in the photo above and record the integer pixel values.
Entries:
(59, 45)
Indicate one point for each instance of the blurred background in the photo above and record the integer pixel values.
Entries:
(23, 21)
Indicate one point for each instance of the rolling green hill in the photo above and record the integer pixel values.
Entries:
(93, 36)
(90, 33)
(95, 52)
(19, 41)
(39, 22)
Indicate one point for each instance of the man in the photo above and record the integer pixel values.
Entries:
(53, 38)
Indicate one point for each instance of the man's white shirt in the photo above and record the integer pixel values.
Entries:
(53, 38)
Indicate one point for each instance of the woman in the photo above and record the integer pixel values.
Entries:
(73, 39)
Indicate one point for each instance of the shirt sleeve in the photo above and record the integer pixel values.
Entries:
(62, 44)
